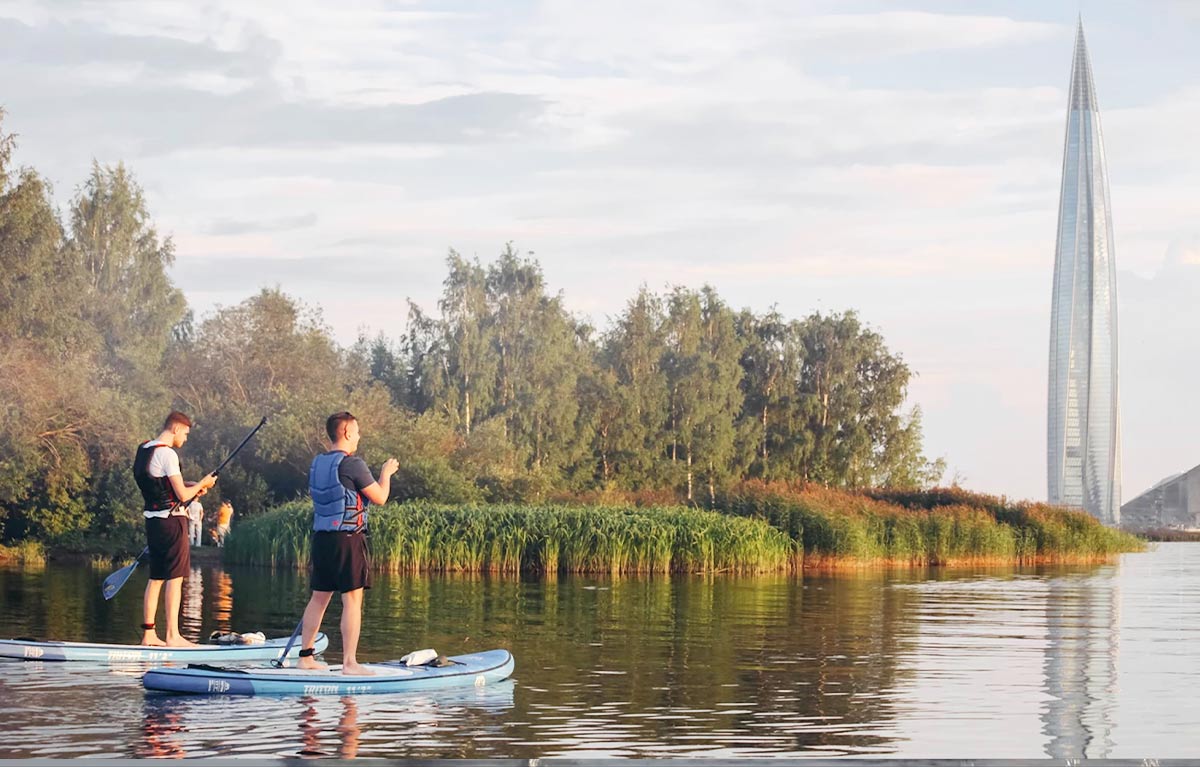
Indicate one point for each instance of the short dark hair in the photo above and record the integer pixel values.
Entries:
(176, 418)
(333, 424)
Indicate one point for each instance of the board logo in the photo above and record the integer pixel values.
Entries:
(480, 680)
(320, 689)
(34, 652)
(218, 685)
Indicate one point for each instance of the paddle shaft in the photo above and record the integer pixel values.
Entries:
(238, 449)
(278, 662)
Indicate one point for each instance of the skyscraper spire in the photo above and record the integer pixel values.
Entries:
(1083, 421)
(1083, 90)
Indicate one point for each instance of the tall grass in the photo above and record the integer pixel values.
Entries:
(418, 536)
(938, 527)
(764, 527)
(26, 553)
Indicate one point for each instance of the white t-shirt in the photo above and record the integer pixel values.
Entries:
(195, 511)
(164, 463)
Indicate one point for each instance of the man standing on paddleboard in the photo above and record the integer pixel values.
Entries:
(342, 489)
(166, 495)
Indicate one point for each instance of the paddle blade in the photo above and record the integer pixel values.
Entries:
(113, 583)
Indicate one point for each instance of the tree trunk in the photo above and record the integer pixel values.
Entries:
(467, 416)
(712, 490)
(689, 473)
(764, 437)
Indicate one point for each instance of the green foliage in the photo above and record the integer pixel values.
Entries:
(126, 293)
(541, 539)
(934, 527)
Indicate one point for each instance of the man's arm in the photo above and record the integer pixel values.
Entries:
(187, 492)
(378, 492)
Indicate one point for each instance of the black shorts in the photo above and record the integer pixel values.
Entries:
(340, 562)
(170, 553)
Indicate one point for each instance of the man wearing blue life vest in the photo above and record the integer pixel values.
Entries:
(342, 489)
(166, 496)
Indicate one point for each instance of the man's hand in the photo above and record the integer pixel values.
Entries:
(390, 467)
(208, 481)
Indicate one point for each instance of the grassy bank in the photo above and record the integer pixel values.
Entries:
(921, 528)
(760, 528)
(415, 537)
(27, 553)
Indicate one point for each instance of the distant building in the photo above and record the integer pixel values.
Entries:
(1173, 502)
(1083, 425)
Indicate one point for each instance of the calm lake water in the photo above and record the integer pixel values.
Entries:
(1098, 661)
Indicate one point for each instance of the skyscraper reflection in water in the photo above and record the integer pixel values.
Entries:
(1082, 631)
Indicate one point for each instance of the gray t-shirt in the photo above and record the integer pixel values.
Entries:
(354, 475)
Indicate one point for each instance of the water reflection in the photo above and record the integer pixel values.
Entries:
(1082, 619)
(1065, 662)
(222, 601)
(191, 607)
(162, 733)
(346, 727)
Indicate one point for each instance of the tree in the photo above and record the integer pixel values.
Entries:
(901, 463)
(540, 352)
(126, 292)
(60, 413)
(703, 377)
(721, 397)
(633, 354)
(453, 359)
(771, 360)
(853, 389)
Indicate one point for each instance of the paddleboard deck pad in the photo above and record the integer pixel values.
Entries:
(477, 669)
(32, 649)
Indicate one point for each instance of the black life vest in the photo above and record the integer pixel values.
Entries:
(156, 491)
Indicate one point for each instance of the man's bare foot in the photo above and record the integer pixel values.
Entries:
(356, 669)
(309, 663)
(179, 641)
(150, 639)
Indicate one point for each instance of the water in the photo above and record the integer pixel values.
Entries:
(1098, 661)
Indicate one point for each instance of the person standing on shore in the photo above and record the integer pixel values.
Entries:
(224, 518)
(342, 490)
(166, 495)
(195, 514)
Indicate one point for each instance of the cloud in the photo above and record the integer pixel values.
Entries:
(891, 33)
(232, 226)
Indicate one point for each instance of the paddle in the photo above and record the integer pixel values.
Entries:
(278, 662)
(113, 583)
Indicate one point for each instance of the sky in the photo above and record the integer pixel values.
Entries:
(901, 159)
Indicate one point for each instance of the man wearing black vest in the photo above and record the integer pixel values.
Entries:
(342, 488)
(166, 496)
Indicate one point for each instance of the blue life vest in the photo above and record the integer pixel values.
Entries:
(335, 507)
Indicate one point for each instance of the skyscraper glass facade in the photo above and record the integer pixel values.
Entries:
(1083, 424)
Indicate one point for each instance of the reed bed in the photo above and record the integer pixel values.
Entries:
(27, 553)
(938, 527)
(419, 537)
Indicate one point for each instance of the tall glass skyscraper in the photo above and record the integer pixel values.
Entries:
(1084, 423)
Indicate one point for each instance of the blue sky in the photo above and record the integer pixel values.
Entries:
(898, 158)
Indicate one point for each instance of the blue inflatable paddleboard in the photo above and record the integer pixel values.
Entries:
(477, 669)
(32, 649)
